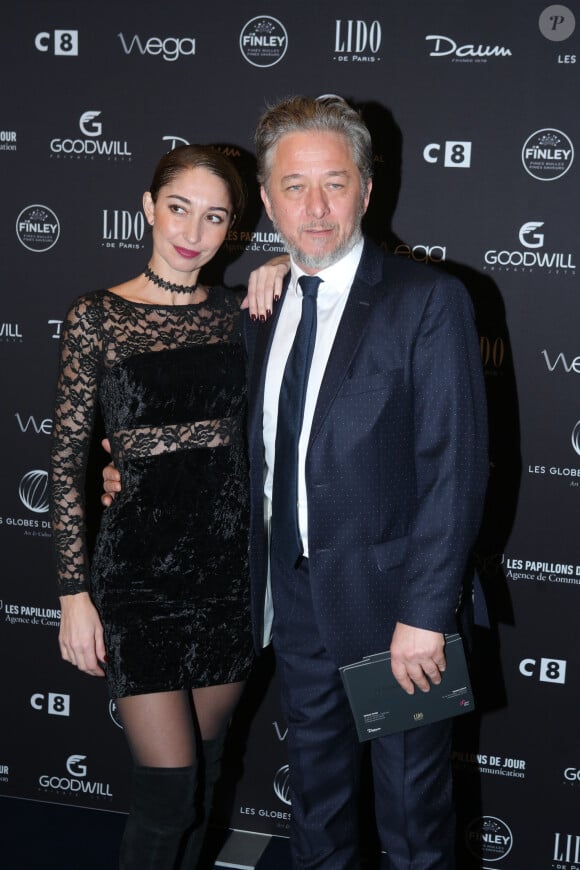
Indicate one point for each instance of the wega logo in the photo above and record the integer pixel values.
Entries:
(422, 253)
(31, 424)
(444, 46)
(561, 362)
(169, 48)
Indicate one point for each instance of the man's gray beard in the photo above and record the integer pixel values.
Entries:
(316, 262)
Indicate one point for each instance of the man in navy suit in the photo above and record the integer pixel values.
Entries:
(392, 471)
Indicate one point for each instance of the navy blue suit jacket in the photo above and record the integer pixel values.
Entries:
(396, 467)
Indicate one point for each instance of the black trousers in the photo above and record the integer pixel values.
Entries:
(411, 770)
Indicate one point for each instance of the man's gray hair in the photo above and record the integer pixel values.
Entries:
(300, 114)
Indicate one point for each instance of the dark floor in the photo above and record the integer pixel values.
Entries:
(41, 836)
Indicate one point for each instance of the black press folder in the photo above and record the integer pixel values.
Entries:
(380, 706)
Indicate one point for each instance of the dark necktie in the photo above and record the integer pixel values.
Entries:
(285, 537)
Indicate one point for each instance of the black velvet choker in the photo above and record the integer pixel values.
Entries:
(167, 285)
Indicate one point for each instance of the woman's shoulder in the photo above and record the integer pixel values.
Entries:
(86, 310)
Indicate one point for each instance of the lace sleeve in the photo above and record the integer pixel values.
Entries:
(74, 414)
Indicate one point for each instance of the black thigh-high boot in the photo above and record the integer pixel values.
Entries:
(212, 751)
(162, 809)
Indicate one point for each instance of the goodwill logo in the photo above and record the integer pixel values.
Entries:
(263, 41)
(89, 145)
(547, 154)
(74, 782)
(37, 228)
(10, 333)
(532, 240)
(571, 777)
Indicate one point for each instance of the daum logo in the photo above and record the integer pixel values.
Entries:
(37, 228)
(444, 46)
(33, 491)
(263, 41)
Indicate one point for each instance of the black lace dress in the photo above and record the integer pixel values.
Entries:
(169, 574)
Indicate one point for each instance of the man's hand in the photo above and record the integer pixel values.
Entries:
(111, 479)
(417, 657)
(265, 287)
(81, 634)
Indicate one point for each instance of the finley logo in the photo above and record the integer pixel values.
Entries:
(263, 41)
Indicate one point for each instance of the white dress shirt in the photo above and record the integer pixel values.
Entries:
(331, 301)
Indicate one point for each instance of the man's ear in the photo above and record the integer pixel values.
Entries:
(266, 201)
(367, 195)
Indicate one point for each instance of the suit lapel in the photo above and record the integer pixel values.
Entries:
(364, 293)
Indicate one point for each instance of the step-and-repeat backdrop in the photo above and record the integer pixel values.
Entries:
(473, 111)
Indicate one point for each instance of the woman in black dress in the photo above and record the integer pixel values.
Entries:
(163, 609)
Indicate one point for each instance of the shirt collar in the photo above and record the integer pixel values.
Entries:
(337, 278)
